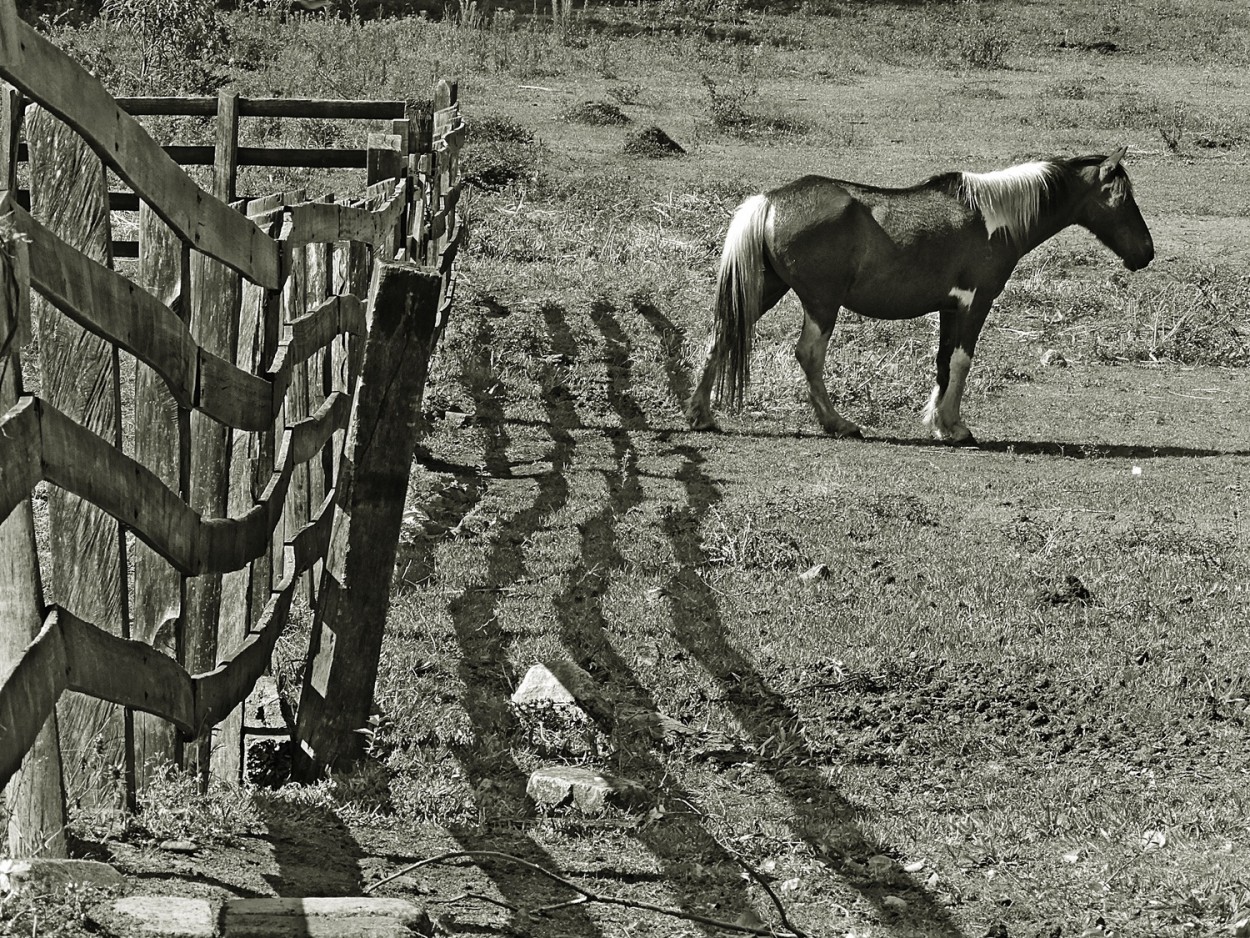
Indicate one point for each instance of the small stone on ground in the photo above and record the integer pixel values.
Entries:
(588, 790)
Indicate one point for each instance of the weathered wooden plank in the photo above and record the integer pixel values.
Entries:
(80, 462)
(355, 587)
(126, 672)
(226, 157)
(21, 450)
(81, 377)
(322, 325)
(265, 107)
(49, 76)
(386, 157)
(312, 433)
(320, 376)
(233, 397)
(216, 295)
(312, 542)
(10, 46)
(293, 157)
(322, 222)
(28, 698)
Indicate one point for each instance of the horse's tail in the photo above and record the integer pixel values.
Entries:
(740, 298)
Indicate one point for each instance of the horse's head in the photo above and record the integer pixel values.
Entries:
(1109, 212)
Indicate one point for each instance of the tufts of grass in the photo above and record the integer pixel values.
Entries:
(734, 107)
(172, 807)
(595, 114)
(502, 154)
(653, 143)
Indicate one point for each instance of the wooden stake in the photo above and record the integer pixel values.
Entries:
(355, 586)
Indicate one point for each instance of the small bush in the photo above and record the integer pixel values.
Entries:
(595, 113)
(652, 142)
(501, 152)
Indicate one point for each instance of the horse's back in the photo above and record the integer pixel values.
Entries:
(820, 228)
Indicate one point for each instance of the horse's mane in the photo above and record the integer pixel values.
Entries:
(1010, 199)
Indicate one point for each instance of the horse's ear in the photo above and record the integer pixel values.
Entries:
(1110, 163)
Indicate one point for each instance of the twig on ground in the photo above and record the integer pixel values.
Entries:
(587, 896)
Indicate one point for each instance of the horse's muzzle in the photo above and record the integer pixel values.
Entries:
(1138, 261)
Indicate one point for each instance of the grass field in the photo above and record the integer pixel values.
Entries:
(1010, 698)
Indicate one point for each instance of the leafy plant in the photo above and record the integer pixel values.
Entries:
(181, 43)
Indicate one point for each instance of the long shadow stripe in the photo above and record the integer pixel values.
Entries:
(697, 866)
(825, 819)
(497, 780)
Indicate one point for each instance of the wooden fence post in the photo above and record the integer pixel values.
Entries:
(162, 443)
(35, 798)
(81, 378)
(215, 300)
(355, 588)
(245, 592)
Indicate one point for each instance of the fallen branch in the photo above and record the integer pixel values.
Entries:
(586, 896)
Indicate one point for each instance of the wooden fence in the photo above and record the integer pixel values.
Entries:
(279, 348)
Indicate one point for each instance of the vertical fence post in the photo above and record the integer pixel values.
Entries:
(162, 431)
(35, 797)
(81, 378)
(346, 640)
(245, 591)
(215, 299)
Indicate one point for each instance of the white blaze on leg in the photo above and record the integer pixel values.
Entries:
(942, 412)
(964, 296)
(948, 418)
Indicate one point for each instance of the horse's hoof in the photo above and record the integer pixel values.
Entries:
(849, 432)
(964, 442)
(704, 424)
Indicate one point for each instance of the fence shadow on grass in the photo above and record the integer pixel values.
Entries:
(700, 870)
(825, 819)
(1054, 448)
(498, 782)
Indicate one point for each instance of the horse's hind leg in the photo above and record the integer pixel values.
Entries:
(699, 410)
(813, 346)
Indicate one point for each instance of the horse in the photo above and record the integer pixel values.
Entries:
(947, 245)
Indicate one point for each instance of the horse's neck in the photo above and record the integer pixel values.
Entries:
(1060, 214)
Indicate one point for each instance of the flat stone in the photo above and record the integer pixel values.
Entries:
(164, 916)
(540, 686)
(588, 790)
(179, 846)
(348, 917)
(52, 876)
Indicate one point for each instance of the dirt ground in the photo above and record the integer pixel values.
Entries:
(890, 731)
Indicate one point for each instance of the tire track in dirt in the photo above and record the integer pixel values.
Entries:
(498, 782)
(825, 817)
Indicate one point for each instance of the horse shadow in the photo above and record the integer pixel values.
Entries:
(1057, 449)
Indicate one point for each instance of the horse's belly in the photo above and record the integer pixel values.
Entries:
(894, 298)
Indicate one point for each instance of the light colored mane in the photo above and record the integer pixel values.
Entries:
(1009, 199)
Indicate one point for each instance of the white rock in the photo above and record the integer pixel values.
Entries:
(540, 686)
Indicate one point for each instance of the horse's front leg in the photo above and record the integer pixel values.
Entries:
(958, 330)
